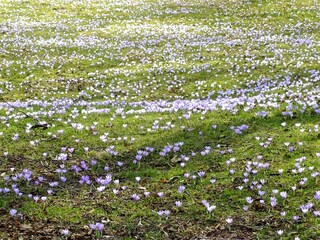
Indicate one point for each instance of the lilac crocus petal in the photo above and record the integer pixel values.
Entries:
(93, 162)
(84, 165)
(317, 195)
(283, 194)
(99, 226)
(245, 208)
(295, 218)
(63, 179)
(101, 188)
(135, 197)
(205, 203)
(181, 189)
(273, 201)
(316, 213)
(146, 194)
(85, 179)
(160, 194)
(305, 208)
(249, 200)
(211, 208)
(13, 212)
(53, 184)
(167, 212)
(92, 226)
(212, 181)
(160, 213)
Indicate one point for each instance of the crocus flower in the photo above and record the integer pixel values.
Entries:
(65, 232)
(97, 226)
(229, 220)
(249, 200)
(181, 189)
(135, 197)
(317, 195)
(13, 212)
(160, 194)
(280, 232)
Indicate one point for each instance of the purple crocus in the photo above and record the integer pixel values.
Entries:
(85, 179)
(135, 197)
(305, 208)
(201, 174)
(273, 201)
(160, 194)
(13, 212)
(181, 189)
(317, 195)
(97, 226)
(249, 200)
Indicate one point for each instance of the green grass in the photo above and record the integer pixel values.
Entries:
(131, 51)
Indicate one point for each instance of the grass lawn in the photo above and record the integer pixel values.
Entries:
(131, 119)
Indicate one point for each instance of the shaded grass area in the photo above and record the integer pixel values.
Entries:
(161, 174)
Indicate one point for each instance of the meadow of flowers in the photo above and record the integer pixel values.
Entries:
(175, 119)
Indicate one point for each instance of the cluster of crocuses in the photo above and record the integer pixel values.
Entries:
(158, 64)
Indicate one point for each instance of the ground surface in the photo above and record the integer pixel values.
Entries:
(159, 119)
